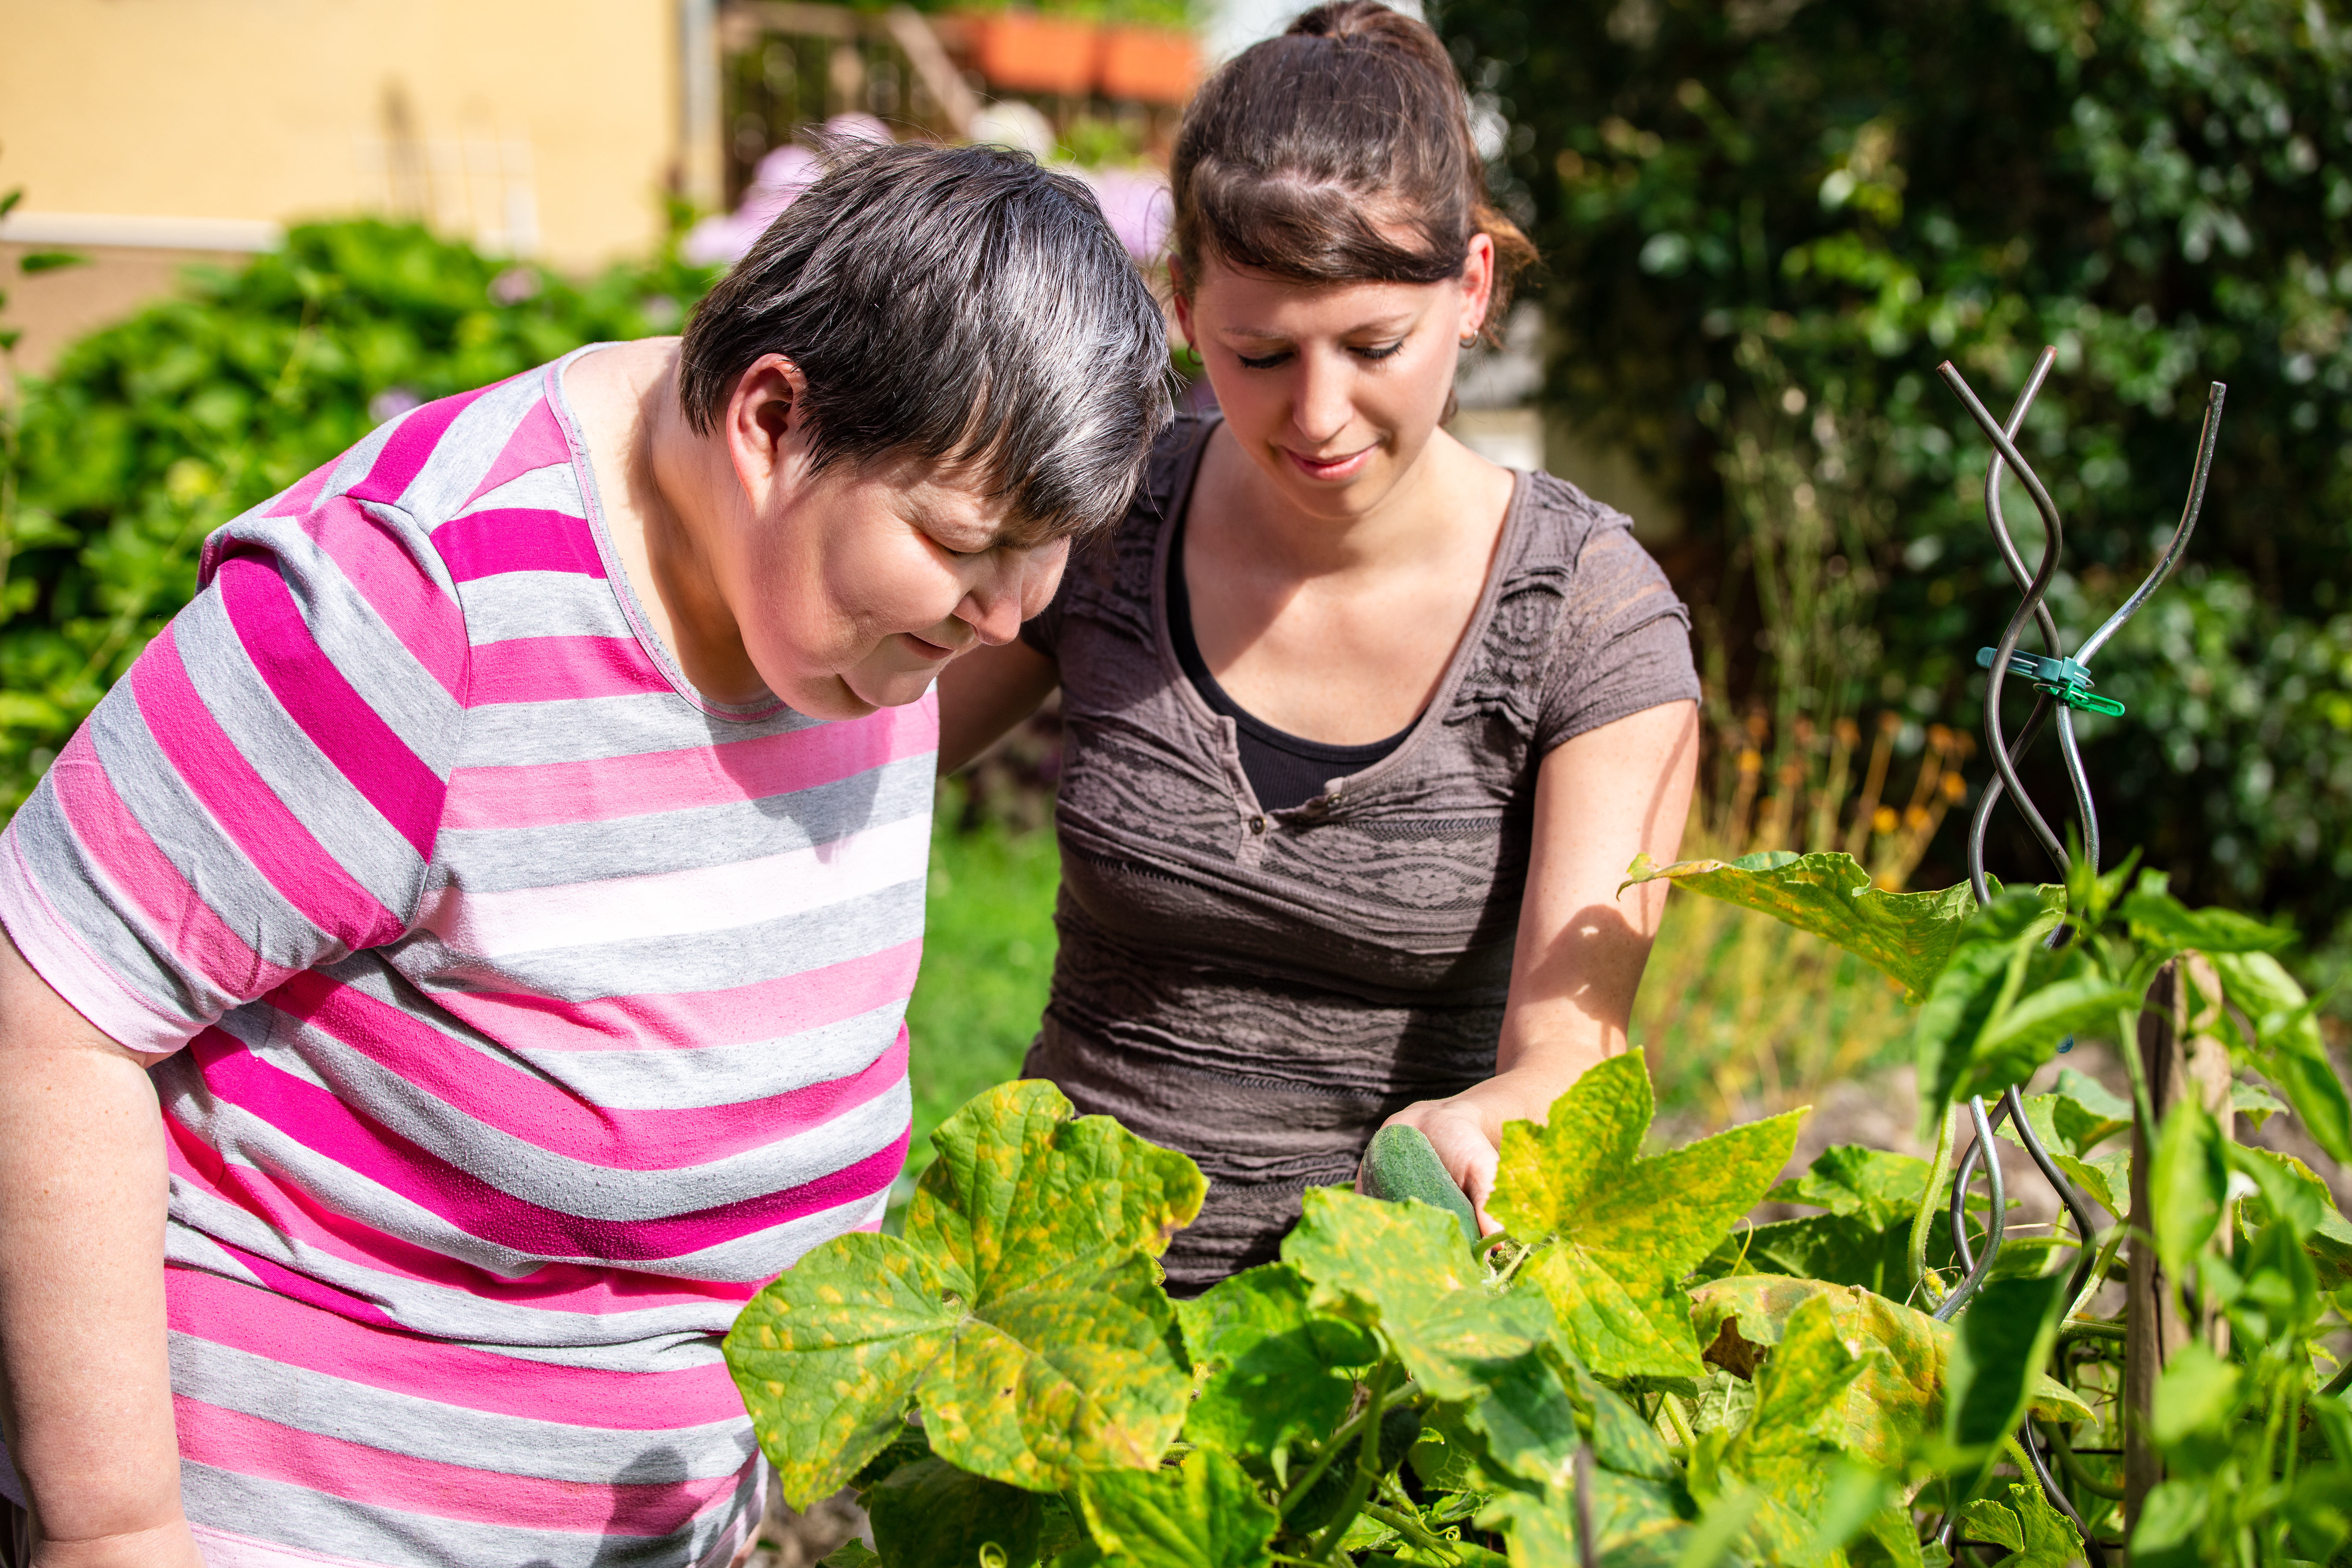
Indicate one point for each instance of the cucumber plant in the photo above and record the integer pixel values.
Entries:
(1629, 1373)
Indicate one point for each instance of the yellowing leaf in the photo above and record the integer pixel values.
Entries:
(1618, 1232)
(1021, 1311)
(1897, 1399)
(1907, 936)
(1895, 1396)
(1783, 1452)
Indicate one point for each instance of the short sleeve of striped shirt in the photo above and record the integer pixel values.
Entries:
(260, 794)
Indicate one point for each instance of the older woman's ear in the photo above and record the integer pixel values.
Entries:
(765, 423)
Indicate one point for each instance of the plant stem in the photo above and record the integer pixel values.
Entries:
(1930, 1203)
(1411, 1526)
(1334, 1448)
(1682, 1433)
(1368, 1460)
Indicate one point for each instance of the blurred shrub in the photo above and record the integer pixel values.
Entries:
(149, 434)
(1767, 220)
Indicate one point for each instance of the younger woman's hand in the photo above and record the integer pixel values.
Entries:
(1458, 1129)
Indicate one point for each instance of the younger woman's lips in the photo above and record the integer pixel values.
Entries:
(1345, 468)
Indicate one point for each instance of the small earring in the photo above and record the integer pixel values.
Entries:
(1469, 339)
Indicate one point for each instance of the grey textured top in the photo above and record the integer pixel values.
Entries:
(1261, 989)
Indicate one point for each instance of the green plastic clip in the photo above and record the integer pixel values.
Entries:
(2064, 678)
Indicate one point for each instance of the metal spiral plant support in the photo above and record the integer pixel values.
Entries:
(2063, 687)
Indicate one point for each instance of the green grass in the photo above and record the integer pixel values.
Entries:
(988, 953)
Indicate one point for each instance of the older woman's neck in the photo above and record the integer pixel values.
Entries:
(667, 492)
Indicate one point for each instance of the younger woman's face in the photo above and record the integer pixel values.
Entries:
(1334, 389)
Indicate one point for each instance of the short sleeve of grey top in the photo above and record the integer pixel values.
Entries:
(1261, 989)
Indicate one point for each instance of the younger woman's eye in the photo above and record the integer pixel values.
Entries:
(1268, 363)
(1380, 354)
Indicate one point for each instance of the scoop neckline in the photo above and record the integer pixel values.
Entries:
(1363, 754)
(1440, 701)
(617, 574)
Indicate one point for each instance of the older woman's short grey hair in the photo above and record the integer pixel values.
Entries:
(953, 305)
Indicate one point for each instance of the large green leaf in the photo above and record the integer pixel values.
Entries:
(2004, 1001)
(1275, 1371)
(1907, 936)
(1843, 1248)
(1527, 1424)
(1617, 1232)
(1405, 1270)
(2286, 1045)
(931, 1515)
(1848, 1179)
(1864, 1240)
(1021, 1311)
(1205, 1514)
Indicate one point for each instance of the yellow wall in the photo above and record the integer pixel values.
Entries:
(544, 126)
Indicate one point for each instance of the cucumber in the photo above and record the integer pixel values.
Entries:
(1400, 1165)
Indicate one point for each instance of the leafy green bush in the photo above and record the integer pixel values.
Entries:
(147, 434)
(1767, 220)
(1625, 1376)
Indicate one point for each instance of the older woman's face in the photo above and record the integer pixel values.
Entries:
(860, 586)
(1333, 389)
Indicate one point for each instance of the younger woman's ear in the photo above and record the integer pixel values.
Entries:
(1181, 297)
(1478, 285)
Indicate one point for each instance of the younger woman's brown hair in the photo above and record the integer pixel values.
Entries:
(1338, 153)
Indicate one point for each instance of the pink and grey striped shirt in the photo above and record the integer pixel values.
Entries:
(528, 1009)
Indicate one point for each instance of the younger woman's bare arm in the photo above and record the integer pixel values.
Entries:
(1602, 798)
(984, 693)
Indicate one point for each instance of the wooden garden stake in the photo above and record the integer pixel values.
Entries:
(2155, 1327)
(2152, 1331)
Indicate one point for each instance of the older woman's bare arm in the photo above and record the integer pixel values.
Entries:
(1607, 796)
(85, 1376)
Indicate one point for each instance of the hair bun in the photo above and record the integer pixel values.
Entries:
(1348, 19)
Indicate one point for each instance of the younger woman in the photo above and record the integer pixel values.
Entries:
(1362, 731)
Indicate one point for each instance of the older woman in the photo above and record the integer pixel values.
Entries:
(1362, 729)
(508, 876)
